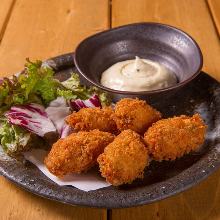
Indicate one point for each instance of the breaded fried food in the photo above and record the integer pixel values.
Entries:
(124, 159)
(87, 119)
(171, 138)
(135, 114)
(77, 153)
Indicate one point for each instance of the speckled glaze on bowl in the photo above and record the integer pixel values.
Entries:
(161, 180)
(158, 42)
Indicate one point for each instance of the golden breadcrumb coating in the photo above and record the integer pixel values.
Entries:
(87, 119)
(77, 153)
(124, 159)
(135, 114)
(171, 138)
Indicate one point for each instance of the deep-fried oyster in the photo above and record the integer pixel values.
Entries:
(135, 114)
(124, 159)
(92, 118)
(171, 138)
(77, 153)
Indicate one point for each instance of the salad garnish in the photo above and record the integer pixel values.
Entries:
(27, 114)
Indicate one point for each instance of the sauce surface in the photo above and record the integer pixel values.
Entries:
(138, 75)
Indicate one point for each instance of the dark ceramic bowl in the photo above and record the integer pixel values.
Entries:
(158, 42)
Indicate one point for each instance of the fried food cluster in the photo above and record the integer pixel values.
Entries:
(132, 114)
(77, 153)
(135, 114)
(171, 138)
(87, 119)
(124, 159)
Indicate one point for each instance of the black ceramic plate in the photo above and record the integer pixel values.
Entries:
(161, 179)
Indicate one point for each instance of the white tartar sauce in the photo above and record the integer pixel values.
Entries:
(138, 75)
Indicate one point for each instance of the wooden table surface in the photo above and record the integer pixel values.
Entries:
(45, 28)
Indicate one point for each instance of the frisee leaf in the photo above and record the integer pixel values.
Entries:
(67, 94)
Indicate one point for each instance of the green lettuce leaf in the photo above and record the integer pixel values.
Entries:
(73, 82)
(14, 139)
(67, 94)
(82, 92)
(104, 97)
(36, 84)
(39, 81)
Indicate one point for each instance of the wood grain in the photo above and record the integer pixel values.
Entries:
(214, 6)
(191, 16)
(18, 204)
(6, 7)
(41, 29)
